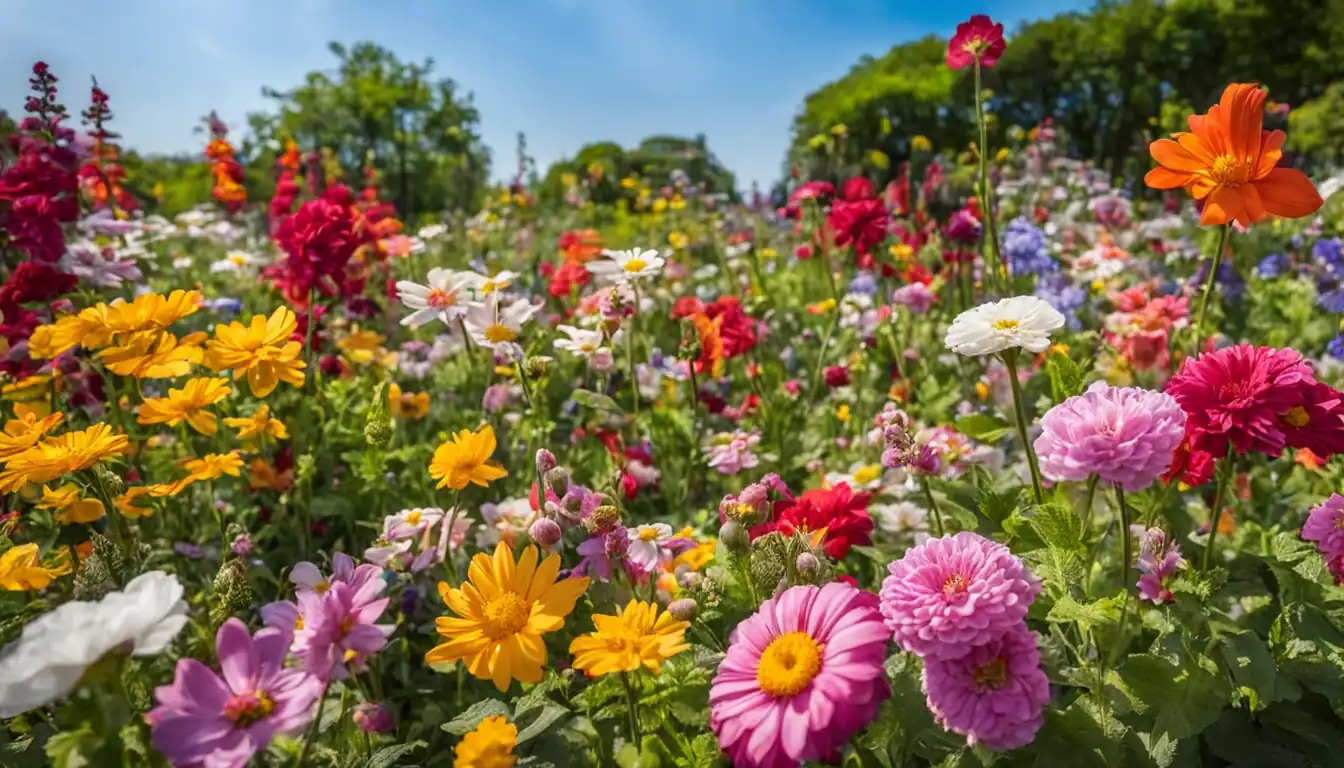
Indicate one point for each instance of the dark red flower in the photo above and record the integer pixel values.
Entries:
(979, 38)
(862, 223)
(737, 330)
(836, 376)
(1194, 468)
(857, 188)
(34, 227)
(35, 281)
(570, 275)
(843, 513)
(318, 241)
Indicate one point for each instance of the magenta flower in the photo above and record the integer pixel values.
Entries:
(222, 720)
(995, 695)
(802, 675)
(915, 297)
(1325, 526)
(1159, 559)
(602, 551)
(339, 632)
(948, 595)
(735, 454)
(1123, 435)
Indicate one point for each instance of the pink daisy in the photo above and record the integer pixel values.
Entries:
(994, 695)
(1325, 526)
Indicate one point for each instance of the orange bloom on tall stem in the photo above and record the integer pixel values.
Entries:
(1231, 163)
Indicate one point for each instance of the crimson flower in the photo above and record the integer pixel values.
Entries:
(843, 513)
(857, 188)
(862, 223)
(979, 38)
(737, 330)
(318, 241)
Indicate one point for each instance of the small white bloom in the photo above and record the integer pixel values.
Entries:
(47, 661)
(900, 517)
(432, 232)
(236, 261)
(505, 521)
(1019, 322)
(443, 298)
(410, 523)
(581, 342)
(495, 326)
(646, 543)
(626, 266)
(860, 477)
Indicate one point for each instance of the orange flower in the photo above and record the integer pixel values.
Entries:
(1231, 163)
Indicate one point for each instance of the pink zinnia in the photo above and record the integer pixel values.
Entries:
(222, 720)
(1123, 435)
(948, 595)
(995, 695)
(802, 676)
(1325, 526)
(979, 38)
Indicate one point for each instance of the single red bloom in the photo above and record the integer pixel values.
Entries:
(979, 38)
(843, 513)
(34, 227)
(836, 376)
(687, 306)
(1194, 468)
(737, 331)
(570, 275)
(318, 241)
(857, 188)
(862, 223)
(35, 281)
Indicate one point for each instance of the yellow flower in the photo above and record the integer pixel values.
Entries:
(262, 350)
(407, 405)
(363, 347)
(213, 465)
(38, 409)
(901, 252)
(660, 205)
(502, 612)
(921, 144)
(59, 455)
(769, 254)
(259, 424)
(678, 240)
(638, 636)
(89, 329)
(187, 403)
(466, 460)
(126, 502)
(677, 203)
(839, 129)
(842, 412)
(24, 432)
(261, 475)
(489, 746)
(97, 326)
(68, 505)
(154, 355)
(152, 311)
(21, 569)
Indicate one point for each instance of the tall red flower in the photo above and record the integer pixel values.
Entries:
(843, 513)
(570, 275)
(979, 38)
(862, 223)
(737, 330)
(318, 241)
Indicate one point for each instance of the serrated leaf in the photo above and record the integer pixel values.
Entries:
(1059, 526)
(594, 400)
(983, 427)
(1182, 699)
(550, 713)
(1066, 379)
(467, 721)
(1066, 610)
(998, 506)
(388, 756)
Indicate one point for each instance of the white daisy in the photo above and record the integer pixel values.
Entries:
(580, 342)
(861, 477)
(900, 517)
(49, 658)
(1019, 322)
(494, 325)
(625, 266)
(410, 523)
(444, 298)
(432, 231)
(646, 543)
(500, 281)
(236, 261)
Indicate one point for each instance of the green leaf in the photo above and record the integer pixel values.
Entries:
(73, 749)
(1066, 610)
(1079, 736)
(388, 756)
(1182, 699)
(594, 400)
(1059, 526)
(983, 427)
(549, 714)
(467, 721)
(1066, 379)
(1249, 660)
(997, 506)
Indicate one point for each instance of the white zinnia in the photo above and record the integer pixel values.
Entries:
(444, 298)
(48, 660)
(625, 266)
(580, 341)
(1020, 321)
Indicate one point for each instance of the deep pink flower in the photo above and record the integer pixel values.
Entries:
(318, 241)
(979, 38)
(1159, 559)
(862, 223)
(802, 675)
(1122, 435)
(857, 188)
(962, 227)
(222, 720)
(333, 618)
(995, 695)
(1325, 526)
(950, 594)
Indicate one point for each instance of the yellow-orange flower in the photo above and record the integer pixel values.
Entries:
(1231, 163)
(89, 329)
(24, 432)
(407, 405)
(638, 636)
(68, 505)
(259, 424)
(127, 504)
(152, 311)
(21, 568)
(208, 467)
(503, 610)
(61, 454)
(262, 350)
(466, 460)
(154, 355)
(98, 326)
(364, 347)
(187, 404)
(262, 475)
(490, 745)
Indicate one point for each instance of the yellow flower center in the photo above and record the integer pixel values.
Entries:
(489, 287)
(413, 518)
(247, 708)
(789, 664)
(991, 676)
(648, 534)
(955, 585)
(298, 623)
(506, 615)
(1228, 171)
(237, 260)
(865, 475)
(321, 587)
(439, 298)
(588, 346)
(1005, 325)
(1296, 417)
(635, 265)
(497, 334)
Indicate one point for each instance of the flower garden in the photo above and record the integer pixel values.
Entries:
(996, 462)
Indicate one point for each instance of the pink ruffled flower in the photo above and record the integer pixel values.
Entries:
(995, 695)
(1325, 526)
(1158, 561)
(801, 676)
(1124, 435)
(951, 594)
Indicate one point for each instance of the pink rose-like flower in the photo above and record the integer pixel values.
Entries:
(1325, 526)
(1124, 435)
(979, 38)
(915, 297)
(948, 595)
(802, 675)
(995, 695)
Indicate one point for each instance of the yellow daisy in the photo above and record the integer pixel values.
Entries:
(127, 504)
(638, 636)
(466, 459)
(503, 609)
(407, 405)
(489, 746)
(187, 404)
(24, 432)
(68, 505)
(262, 350)
(259, 424)
(21, 568)
(59, 455)
(154, 355)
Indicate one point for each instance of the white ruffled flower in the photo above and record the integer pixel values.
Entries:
(445, 297)
(1019, 322)
(581, 342)
(432, 231)
(627, 266)
(900, 517)
(49, 658)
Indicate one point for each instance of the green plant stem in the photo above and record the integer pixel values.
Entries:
(1209, 285)
(631, 708)
(938, 529)
(821, 356)
(452, 523)
(1126, 555)
(630, 352)
(311, 733)
(1089, 497)
(1220, 492)
(992, 268)
(530, 397)
(1010, 360)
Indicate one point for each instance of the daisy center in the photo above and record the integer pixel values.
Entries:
(868, 474)
(789, 664)
(1296, 417)
(238, 261)
(1228, 171)
(635, 265)
(247, 708)
(498, 334)
(991, 676)
(438, 298)
(1005, 325)
(505, 614)
(648, 534)
(413, 518)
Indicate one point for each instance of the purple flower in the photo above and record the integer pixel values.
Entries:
(338, 632)
(994, 695)
(222, 720)
(1325, 526)
(602, 551)
(187, 549)
(496, 397)
(371, 717)
(948, 595)
(1123, 435)
(915, 297)
(1026, 249)
(1158, 560)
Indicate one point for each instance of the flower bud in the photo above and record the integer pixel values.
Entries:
(807, 563)
(683, 609)
(557, 479)
(735, 537)
(690, 580)
(545, 461)
(378, 425)
(371, 717)
(545, 532)
(604, 518)
(537, 367)
(110, 480)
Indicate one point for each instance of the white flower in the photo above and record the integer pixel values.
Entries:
(442, 299)
(432, 231)
(410, 523)
(505, 521)
(625, 266)
(900, 517)
(47, 661)
(646, 543)
(500, 281)
(236, 261)
(1020, 321)
(861, 477)
(495, 326)
(580, 341)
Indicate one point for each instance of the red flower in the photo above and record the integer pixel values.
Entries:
(843, 513)
(857, 188)
(1194, 468)
(862, 223)
(980, 38)
(737, 331)
(570, 275)
(35, 281)
(34, 228)
(318, 242)
(687, 306)
(836, 376)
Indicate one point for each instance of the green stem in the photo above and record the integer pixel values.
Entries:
(452, 523)
(933, 506)
(311, 733)
(1010, 360)
(631, 708)
(1224, 475)
(529, 397)
(630, 352)
(821, 356)
(1090, 496)
(993, 267)
(1126, 555)
(1209, 285)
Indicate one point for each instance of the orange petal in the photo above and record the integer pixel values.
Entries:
(1242, 108)
(1271, 151)
(1287, 192)
(1224, 205)
(1255, 208)
(1170, 154)
(1165, 178)
(1196, 147)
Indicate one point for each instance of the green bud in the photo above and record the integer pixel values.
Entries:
(94, 580)
(378, 424)
(231, 593)
(109, 479)
(537, 367)
(558, 480)
(734, 536)
(111, 555)
(305, 467)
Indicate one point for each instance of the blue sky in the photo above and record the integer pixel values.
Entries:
(565, 72)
